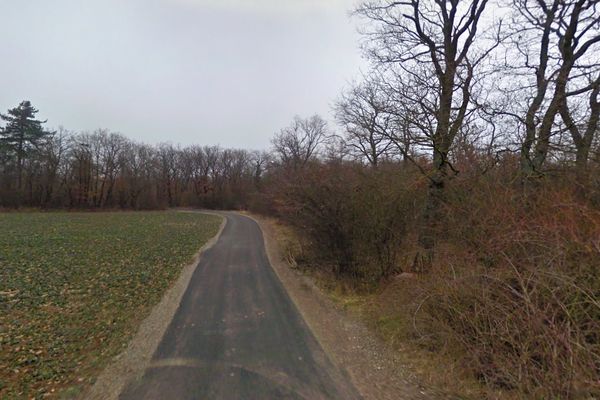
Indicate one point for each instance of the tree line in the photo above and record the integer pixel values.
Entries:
(102, 169)
(44, 168)
(447, 79)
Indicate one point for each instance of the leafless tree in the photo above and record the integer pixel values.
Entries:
(434, 48)
(260, 162)
(53, 153)
(104, 169)
(337, 150)
(138, 175)
(557, 42)
(298, 143)
(364, 112)
(167, 160)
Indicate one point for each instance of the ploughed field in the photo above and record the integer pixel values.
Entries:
(75, 286)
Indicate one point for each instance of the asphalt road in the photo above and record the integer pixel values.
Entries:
(237, 334)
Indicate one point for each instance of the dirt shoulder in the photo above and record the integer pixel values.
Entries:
(132, 362)
(376, 369)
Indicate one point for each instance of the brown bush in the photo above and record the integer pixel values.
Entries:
(355, 219)
(516, 291)
(514, 294)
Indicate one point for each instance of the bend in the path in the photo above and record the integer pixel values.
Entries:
(237, 334)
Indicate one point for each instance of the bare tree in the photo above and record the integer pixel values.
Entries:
(431, 45)
(556, 41)
(53, 153)
(260, 161)
(298, 143)
(138, 170)
(167, 161)
(103, 169)
(195, 162)
(80, 171)
(364, 112)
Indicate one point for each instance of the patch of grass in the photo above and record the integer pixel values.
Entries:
(389, 312)
(75, 286)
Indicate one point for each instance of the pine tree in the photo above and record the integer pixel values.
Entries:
(21, 134)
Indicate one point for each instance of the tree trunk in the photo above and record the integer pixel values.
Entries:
(433, 214)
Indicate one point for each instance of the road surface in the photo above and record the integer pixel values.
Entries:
(237, 334)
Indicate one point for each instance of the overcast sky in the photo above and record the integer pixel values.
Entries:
(229, 72)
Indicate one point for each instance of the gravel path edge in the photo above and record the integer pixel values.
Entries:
(131, 363)
(376, 370)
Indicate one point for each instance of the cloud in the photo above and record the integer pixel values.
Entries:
(273, 6)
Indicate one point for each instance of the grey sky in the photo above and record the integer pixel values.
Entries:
(229, 72)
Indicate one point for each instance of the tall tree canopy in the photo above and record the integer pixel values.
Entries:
(22, 133)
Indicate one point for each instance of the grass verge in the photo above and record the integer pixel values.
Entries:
(75, 286)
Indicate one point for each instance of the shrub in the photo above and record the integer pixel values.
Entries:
(354, 218)
(516, 294)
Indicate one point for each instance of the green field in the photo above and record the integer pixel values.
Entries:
(75, 286)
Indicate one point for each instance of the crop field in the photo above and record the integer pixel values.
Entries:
(75, 286)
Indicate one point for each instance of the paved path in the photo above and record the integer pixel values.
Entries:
(237, 334)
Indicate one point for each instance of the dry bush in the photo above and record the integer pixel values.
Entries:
(516, 293)
(355, 219)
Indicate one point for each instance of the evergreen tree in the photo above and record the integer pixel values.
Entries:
(21, 134)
